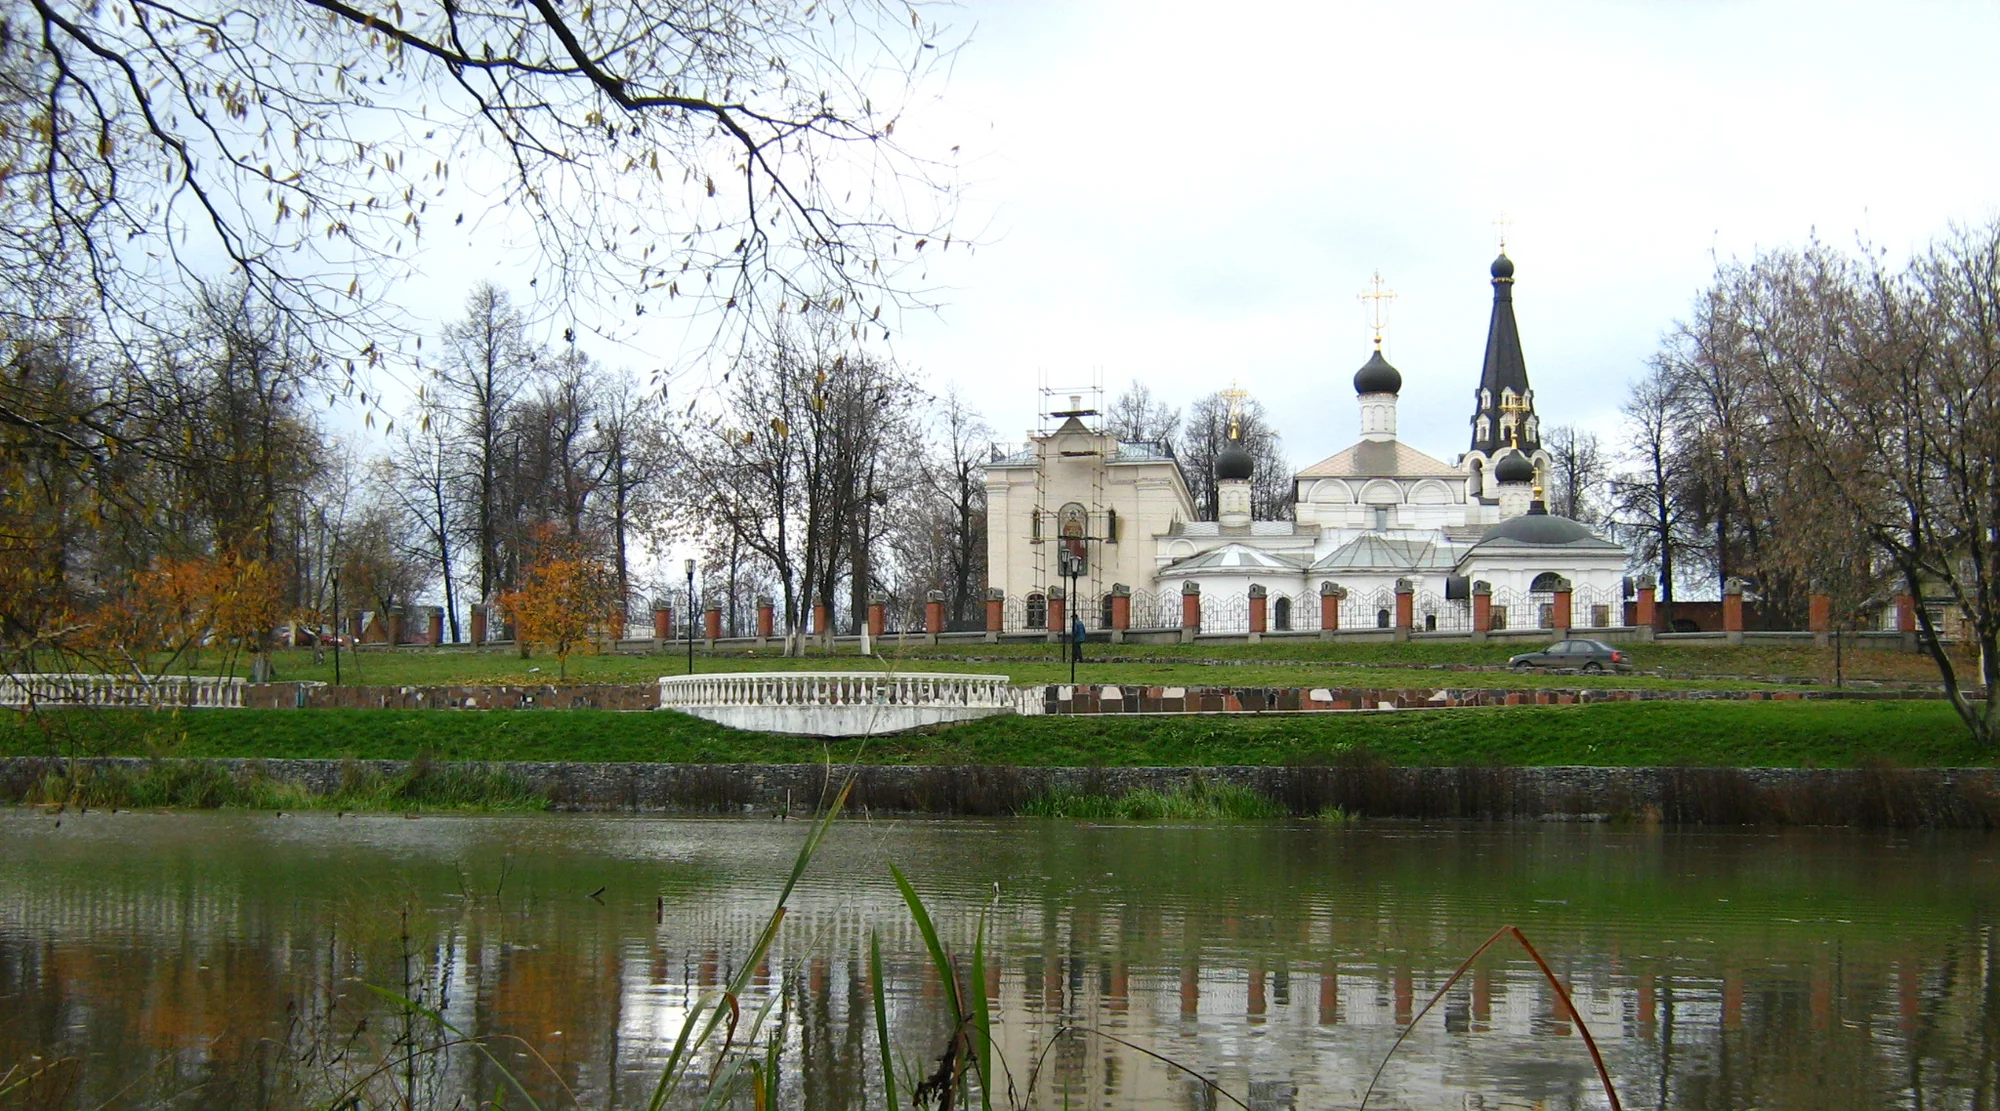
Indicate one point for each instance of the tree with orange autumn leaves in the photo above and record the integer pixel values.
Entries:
(568, 593)
(150, 623)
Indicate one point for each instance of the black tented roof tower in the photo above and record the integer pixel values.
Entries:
(1504, 408)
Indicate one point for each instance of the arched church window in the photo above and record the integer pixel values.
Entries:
(1038, 611)
(1035, 524)
(1381, 518)
(1534, 427)
(1545, 583)
(1485, 398)
(1381, 619)
(1430, 623)
(1281, 615)
(1111, 526)
(1485, 427)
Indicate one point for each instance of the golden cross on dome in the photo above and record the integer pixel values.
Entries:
(1235, 395)
(1500, 222)
(1378, 312)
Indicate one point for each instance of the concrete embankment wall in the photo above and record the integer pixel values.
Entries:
(1877, 798)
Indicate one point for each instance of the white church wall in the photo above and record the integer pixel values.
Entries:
(1147, 497)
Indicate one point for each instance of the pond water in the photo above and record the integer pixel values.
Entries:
(218, 960)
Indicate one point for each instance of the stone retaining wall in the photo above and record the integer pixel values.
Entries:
(1919, 798)
(1115, 699)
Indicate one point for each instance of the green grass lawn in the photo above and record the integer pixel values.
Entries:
(1289, 663)
(1770, 734)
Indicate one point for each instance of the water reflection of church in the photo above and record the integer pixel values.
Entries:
(1383, 534)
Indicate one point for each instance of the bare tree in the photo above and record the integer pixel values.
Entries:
(1882, 384)
(421, 488)
(690, 157)
(939, 537)
(1137, 417)
(486, 367)
(1578, 473)
(742, 470)
(628, 442)
(1646, 493)
(558, 462)
(1725, 450)
(378, 567)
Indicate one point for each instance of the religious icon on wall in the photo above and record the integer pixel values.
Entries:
(1072, 524)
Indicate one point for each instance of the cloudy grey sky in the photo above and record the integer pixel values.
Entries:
(1194, 193)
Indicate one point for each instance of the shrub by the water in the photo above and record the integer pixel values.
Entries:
(206, 785)
(1196, 800)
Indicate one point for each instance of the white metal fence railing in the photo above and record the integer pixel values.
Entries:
(837, 688)
(112, 691)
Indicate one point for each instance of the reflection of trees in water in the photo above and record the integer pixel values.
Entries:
(1279, 962)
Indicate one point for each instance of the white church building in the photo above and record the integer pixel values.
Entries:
(1383, 536)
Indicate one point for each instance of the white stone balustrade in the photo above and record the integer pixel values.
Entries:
(199, 692)
(838, 703)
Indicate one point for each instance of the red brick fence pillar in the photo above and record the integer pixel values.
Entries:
(1121, 610)
(1819, 617)
(934, 614)
(1563, 616)
(996, 613)
(1259, 600)
(766, 618)
(1482, 609)
(1406, 607)
(1330, 594)
(1190, 611)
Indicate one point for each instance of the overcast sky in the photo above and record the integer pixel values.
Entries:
(1192, 194)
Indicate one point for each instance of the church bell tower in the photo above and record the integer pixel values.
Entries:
(1503, 414)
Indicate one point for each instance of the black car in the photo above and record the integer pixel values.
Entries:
(1584, 655)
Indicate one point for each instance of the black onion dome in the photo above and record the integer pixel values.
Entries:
(1515, 467)
(1377, 376)
(1538, 528)
(1233, 463)
(1503, 269)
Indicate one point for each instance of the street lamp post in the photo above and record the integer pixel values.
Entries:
(1072, 561)
(690, 617)
(1075, 615)
(335, 576)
